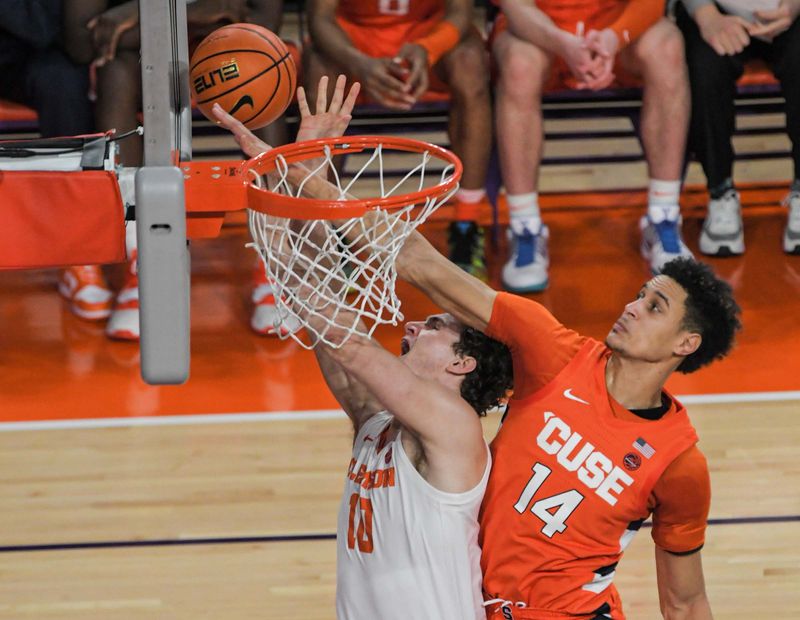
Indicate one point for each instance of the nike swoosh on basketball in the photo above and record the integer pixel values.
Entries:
(568, 394)
(246, 100)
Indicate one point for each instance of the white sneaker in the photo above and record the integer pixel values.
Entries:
(265, 320)
(791, 235)
(124, 321)
(526, 270)
(723, 234)
(661, 240)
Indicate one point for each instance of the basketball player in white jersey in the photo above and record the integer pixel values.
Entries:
(407, 537)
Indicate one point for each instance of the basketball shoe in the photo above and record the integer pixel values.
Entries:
(723, 233)
(87, 292)
(465, 242)
(526, 270)
(124, 321)
(791, 235)
(661, 237)
(265, 320)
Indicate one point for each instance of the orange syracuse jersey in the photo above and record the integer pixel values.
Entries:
(572, 479)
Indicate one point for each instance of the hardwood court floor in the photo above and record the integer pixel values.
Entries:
(234, 519)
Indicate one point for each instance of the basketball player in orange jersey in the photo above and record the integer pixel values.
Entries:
(592, 443)
(403, 51)
(544, 44)
(407, 538)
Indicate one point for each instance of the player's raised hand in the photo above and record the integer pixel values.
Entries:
(328, 121)
(247, 141)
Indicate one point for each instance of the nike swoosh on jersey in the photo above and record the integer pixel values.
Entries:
(568, 394)
(246, 100)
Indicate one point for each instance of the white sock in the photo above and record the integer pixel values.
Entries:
(524, 211)
(662, 200)
(470, 196)
(130, 238)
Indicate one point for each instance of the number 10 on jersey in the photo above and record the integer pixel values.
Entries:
(564, 503)
(361, 509)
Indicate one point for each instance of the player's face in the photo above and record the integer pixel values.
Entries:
(651, 326)
(431, 339)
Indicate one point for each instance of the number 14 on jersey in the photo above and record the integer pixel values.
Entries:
(554, 510)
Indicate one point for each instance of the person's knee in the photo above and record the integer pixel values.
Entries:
(660, 58)
(522, 70)
(468, 71)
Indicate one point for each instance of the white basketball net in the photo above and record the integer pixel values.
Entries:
(337, 278)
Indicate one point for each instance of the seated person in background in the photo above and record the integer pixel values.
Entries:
(35, 71)
(106, 33)
(590, 44)
(400, 50)
(721, 37)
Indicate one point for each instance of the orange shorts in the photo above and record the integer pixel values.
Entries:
(383, 42)
(561, 77)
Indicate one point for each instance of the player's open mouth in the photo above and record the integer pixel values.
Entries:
(404, 347)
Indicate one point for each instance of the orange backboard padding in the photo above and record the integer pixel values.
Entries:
(52, 219)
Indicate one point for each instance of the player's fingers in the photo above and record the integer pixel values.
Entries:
(338, 94)
(768, 16)
(322, 95)
(302, 102)
(743, 38)
(352, 96)
(112, 44)
(226, 120)
(422, 86)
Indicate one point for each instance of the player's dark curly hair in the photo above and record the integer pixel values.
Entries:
(711, 311)
(490, 382)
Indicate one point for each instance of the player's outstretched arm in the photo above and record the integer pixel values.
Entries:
(681, 587)
(449, 287)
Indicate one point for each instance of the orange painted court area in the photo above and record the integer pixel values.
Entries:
(56, 366)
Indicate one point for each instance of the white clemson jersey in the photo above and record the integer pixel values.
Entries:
(404, 549)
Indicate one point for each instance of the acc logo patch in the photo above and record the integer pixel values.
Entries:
(632, 461)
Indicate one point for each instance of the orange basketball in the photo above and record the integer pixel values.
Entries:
(247, 70)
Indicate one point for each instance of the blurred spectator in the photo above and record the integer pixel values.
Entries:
(721, 38)
(405, 51)
(35, 71)
(591, 45)
(106, 34)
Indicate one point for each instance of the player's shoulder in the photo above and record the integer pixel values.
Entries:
(687, 474)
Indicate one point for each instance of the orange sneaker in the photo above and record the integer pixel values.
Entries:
(265, 320)
(86, 290)
(124, 321)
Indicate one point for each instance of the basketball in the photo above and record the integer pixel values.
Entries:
(247, 70)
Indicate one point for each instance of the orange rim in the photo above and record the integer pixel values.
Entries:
(265, 201)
